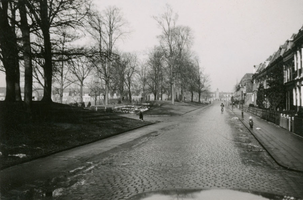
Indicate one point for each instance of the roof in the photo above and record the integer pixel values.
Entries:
(283, 49)
(247, 76)
(299, 35)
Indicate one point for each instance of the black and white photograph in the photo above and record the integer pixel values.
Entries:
(151, 99)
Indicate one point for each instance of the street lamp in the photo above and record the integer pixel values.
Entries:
(232, 102)
(242, 101)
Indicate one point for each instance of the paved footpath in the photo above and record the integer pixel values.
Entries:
(285, 147)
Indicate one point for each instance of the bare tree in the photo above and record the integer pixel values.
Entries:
(118, 74)
(156, 71)
(142, 79)
(184, 68)
(131, 63)
(28, 87)
(81, 69)
(167, 23)
(203, 83)
(95, 88)
(47, 15)
(106, 28)
(176, 42)
(192, 79)
(63, 56)
(9, 50)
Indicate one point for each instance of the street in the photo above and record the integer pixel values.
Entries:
(199, 150)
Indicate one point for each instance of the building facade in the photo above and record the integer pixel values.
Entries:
(269, 75)
(293, 73)
(286, 67)
(244, 89)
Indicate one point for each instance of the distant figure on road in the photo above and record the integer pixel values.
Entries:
(251, 122)
(222, 107)
(141, 115)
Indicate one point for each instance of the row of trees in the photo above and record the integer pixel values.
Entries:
(172, 64)
(30, 37)
(39, 37)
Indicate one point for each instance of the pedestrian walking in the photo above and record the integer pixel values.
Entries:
(251, 122)
(141, 115)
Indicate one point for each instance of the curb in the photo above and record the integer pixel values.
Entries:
(263, 146)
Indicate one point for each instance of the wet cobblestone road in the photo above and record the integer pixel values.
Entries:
(203, 149)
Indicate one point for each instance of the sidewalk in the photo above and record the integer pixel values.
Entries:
(285, 147)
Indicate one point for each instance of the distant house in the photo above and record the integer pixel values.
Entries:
(225, 96)
(244, 89)
(217, 96)
(72, 95)
(37, 93)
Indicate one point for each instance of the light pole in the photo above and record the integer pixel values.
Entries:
(242, 101)
(232, 102)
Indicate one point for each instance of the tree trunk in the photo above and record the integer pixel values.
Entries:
(17, 81)
(17, 70)
(10, 56)
(48, 68)
(61, 92)
(130, 95)
(106, 93)
(173, 91)
(161, 93)
(81, 91)
(192, 96)
(62, 72)
(28, 90)
(106, 82)
(121, 91)
(10, 85)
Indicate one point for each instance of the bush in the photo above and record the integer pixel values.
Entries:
(251, 105)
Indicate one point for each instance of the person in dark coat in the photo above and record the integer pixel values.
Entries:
(88, 105)
(141, 115)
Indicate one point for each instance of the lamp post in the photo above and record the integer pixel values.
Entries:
(242, 101)
(265, 99)
(232, 102)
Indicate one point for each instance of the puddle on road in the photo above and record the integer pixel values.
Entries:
(235, 118)
(209, 194)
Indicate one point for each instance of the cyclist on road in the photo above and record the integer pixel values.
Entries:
(222, 107)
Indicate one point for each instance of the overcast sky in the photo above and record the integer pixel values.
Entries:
(230, 36)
